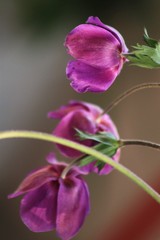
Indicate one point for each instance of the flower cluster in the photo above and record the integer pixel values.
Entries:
(56, 196)
(53, 201)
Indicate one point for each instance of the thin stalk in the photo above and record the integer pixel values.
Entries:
(89, 159)
(124, 143)
(69, 166)
(128, 93)
(87, 150)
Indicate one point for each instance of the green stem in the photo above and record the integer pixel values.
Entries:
(86, 158)
(87, 150)
(124, 142)
(128, 93)
(69, 166)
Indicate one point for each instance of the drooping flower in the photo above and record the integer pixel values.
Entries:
(98, 50)
(52, 202)
(87, 118)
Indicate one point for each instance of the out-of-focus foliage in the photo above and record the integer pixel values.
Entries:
(42, 15)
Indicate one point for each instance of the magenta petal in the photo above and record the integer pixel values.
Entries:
(35, 180)
(92, 109)
(66, 128)
(87, 78)
(38, 208)
(107, 125)
(75, 105)
(96, 21)
(94, 46)
(73, 206)
(63, 110)
(91, 168)
(107, 168)
(51, 158)
(98, 50)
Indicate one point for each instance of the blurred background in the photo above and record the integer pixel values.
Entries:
(33, 82)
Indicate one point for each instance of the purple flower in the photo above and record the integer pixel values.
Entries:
(98, 50)
(87, 118)
(51, 202)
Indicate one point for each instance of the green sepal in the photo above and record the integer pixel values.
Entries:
(103, 148)
(149, 41)
(101, 137)
(100, 165)
(108, 145)
(110, 152)
(147, 56)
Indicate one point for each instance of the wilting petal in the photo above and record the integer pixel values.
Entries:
(51, 158)
(66, 128)
(106, 124)
(63, 110)
(57, 167)
(39, 207)
(87, 78)
(75, 105)
(96, 21)
(35, 180)
(89, 107)
(73, 206)
(89, 168)
(94, 46)
(92, 168)
(107, 168)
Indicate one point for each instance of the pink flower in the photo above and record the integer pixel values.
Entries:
(98, 50)
(85, 117)
(51, 202)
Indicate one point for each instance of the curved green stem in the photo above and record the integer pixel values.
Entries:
(69, 166)
(87, 150)
(128, 93)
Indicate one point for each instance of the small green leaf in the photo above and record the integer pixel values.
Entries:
(102, 137)
(150, 41)
(88, 159)
(110, 152)
(146, 56)
(107, 150)
(100, 165)
(108, 145)
(156, 54)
